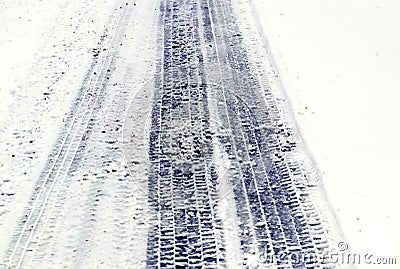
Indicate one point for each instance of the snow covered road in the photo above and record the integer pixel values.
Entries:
(179, 151)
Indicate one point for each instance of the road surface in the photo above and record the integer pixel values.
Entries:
(200, 167)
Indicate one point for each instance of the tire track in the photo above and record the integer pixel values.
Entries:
(273, 189)
(186, 230)
(48, 188)
(278, 196)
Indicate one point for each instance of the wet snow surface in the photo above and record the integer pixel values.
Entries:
(164, 142)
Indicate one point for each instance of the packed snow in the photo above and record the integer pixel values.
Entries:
(338, 62)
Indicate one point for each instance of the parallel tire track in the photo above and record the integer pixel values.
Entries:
(276, 189)
(48, 187)
(271, 187)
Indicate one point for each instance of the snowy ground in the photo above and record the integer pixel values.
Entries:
(339, 61)
(54, 59)
(69, 72)
(46, 48)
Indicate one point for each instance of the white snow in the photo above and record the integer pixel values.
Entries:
(22, 27)
(339, 62)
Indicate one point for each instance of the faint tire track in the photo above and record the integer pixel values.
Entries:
(50, 186)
